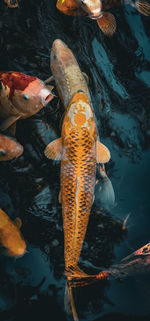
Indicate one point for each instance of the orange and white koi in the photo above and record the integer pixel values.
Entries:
(21, 96)
(10, 236)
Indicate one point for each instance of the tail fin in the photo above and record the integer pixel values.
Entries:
(69, 301)
(136, 263)
(143, 7)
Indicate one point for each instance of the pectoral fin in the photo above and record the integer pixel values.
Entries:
(86, 77)
(54, 149)
(8, 122)
(142, 6)
(48, 80)
(18, 222)
(102, 153)
(11, 131)
(107, 23)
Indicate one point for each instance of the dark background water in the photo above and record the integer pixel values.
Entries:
(32, 287)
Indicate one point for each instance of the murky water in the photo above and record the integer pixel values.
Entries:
(32, 287)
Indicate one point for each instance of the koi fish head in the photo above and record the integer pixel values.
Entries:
(61, 56)
(28, 94)
(79, 114)
(9, 148)
(92, 7)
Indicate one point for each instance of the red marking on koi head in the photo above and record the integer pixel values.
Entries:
(15, 81)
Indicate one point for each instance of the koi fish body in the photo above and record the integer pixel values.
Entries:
(78, 170)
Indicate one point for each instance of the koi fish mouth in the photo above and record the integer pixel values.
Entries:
(94, 17)
(46, 96)
(96, 13)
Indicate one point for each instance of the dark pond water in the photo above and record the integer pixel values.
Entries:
(32, 287)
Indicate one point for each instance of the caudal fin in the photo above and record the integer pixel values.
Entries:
(69, 301)
(136, 263)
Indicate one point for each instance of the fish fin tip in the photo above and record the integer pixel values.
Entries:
(54, 149)
(48, 80)
(143, 7)
(18, 222)
(69, 302)
(107, 23)
(102, 153)
(9, 122)
(86, 77)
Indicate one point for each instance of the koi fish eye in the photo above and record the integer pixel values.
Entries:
(26, 97)
(83, 1)
(2, 153)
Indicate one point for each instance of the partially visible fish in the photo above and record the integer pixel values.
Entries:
(12, 3)
(90, 8)
(107, 22)
(21, 96)
(69, 7)
(95, 9)
(104, 192)
(9, 148)
(134, 264)
(10, 236)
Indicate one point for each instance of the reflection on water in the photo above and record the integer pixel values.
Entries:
(118, 71)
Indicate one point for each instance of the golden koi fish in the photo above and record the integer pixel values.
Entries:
(78, 149)
(10, 236)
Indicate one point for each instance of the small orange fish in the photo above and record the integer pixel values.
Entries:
(9, 148)
(10, 236)
(12, 3)
(21, 96)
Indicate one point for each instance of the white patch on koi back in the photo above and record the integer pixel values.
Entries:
(80, 107)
